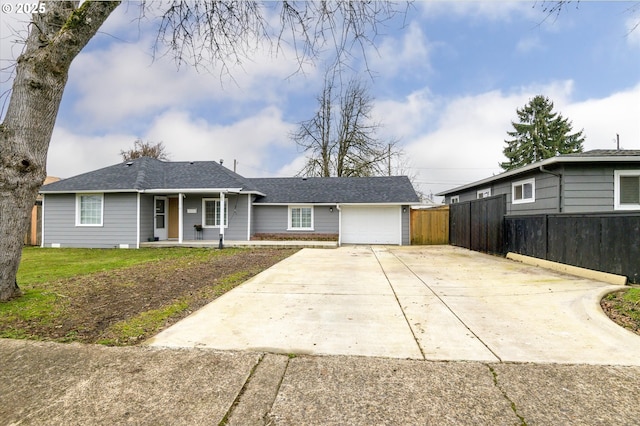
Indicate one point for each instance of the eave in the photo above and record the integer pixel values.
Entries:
(535, 166)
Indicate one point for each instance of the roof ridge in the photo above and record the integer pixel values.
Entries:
(141, 177)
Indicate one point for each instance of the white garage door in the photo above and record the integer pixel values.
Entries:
(371, 225)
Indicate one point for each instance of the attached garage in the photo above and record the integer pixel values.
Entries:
(371, 225)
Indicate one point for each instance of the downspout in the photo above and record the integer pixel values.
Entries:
(339, 224)
(559, 176)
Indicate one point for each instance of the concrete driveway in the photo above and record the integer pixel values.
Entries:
(428, 302)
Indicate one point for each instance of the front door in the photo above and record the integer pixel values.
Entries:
(160, 220)
(173, 218)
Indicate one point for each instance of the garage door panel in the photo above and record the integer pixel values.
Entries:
(371, 225)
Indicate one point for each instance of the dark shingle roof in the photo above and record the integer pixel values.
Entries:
(148, 173)
(385, 189)
(594, 156)
(151, 174)
(605, 153)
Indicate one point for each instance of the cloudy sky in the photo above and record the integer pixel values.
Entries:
(447, 81)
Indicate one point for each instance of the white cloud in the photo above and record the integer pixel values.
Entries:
(408, 54)
(73, 153)
(603, 118)
(249, 141)
(480, 10)
(465, 141)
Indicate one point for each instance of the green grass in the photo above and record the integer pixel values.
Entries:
(633, 296)
(50, 307)
(145, 323)
(43, 300)
(39, 265)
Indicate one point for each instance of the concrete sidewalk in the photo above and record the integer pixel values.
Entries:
(420, 302)
(52, 384)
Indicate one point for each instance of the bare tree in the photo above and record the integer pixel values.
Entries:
(145, 149)
(341, 138)
(197, 32)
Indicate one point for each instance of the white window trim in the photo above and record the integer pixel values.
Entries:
(204, 212)
(616, 190)
(455, 199)
(78, 203)
(482, 191)
(522, 183)
(300, 206)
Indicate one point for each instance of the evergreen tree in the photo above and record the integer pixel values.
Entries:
(539, 134)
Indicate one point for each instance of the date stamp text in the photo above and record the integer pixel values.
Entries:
(23, 8)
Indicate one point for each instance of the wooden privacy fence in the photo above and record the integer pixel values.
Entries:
(477, 224)
(430, 226)
(600, 241)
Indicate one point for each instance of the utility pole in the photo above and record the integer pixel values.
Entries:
(389, 155)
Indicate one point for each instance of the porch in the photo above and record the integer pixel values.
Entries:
(249, 244)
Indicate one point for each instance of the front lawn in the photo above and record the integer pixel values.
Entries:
(121, 297)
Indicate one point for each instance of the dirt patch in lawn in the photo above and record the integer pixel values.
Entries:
(624, 311)
(129, 305)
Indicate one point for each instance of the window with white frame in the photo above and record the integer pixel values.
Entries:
(301, 218)
(89, 209)
(626, 190)
(523, 191)
(455, 199)
(483, 193)
(211, 212)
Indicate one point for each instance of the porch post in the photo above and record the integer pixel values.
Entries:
(180, 218)
(248, 217)
(222, 206)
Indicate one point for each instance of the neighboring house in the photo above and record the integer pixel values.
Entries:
(590, 182)
(146, 199)
(32, 236)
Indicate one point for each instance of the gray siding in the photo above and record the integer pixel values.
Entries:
(274, 219)
(588, 189)
(119, 222)
(546, 195)
(585, 189)
(237, 217)
(147, 211)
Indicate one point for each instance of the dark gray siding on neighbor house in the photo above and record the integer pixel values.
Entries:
(275, 219)
(546, 194)
(119, 222)
(237, 217)
(589, 189)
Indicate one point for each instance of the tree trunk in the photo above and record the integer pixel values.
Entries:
(55, 39)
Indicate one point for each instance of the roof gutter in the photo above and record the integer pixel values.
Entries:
(549, 161)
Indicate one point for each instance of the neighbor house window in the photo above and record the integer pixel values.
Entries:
(484, 193)
(523, 191)
(89, 208)
(301, 218)
(211, 212)
(455, 199)
(627, 189)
